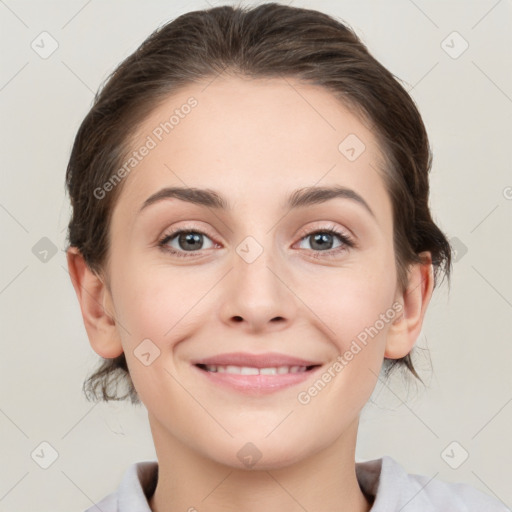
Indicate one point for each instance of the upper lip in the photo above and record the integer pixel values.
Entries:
(267, 360)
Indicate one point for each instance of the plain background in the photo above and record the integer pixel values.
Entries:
(466, 102)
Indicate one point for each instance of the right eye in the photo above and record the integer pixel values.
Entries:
(183, 239)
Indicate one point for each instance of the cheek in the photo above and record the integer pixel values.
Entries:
(348, 300)
(157, 308)
(354, 310)
(161, 303)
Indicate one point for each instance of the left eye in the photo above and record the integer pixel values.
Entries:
(188, 241)
(322, 240)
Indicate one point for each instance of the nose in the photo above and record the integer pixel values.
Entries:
(257, 296)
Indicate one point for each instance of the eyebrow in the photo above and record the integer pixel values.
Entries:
(299, 198)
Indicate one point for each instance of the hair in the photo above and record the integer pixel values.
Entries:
(266, 41)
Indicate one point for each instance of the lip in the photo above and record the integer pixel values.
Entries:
(256, 384)
(266, 360)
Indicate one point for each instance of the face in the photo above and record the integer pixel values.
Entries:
(260, 276)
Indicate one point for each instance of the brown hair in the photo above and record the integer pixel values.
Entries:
(266, 41)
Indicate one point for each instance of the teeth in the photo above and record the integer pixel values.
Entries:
(249, 370)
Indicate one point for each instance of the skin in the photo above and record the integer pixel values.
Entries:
(253, 141)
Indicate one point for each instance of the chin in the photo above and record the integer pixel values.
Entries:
(260, 455)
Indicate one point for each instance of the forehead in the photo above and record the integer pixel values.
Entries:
(256, 137)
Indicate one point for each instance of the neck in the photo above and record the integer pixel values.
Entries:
(190, 481)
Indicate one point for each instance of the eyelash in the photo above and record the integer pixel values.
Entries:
(347, 242)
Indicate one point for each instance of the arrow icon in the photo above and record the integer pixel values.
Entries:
(44, 455)
(146, 352)
(451, 455)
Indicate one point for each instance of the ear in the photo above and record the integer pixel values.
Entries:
(96, 303)
(404, 331)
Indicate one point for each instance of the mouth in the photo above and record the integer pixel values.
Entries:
(251, 370)
(255, 381)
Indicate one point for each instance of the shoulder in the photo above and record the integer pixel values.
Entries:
(136, 487)
(107, 504)
(393, 489)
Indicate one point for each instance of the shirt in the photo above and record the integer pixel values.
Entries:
(382, 480)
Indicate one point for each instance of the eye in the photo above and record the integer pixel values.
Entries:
(322, 240)
(184, 240)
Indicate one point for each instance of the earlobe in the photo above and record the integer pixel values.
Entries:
(96, 306)
(406, 328)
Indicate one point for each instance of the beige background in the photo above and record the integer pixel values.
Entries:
(466, 103)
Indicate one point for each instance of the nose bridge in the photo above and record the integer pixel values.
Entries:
(258, 294)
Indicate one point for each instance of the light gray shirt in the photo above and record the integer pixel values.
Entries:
(383, 481)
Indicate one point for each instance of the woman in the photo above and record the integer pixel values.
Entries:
(250, 243)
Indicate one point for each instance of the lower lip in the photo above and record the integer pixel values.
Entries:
(257, 384)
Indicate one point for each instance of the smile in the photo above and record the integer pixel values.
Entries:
(255, 381)
(251, 370)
